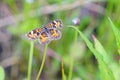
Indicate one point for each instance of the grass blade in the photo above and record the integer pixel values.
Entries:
(2, 73)
(43, 61)
(101, 50)
(105, 65)
(30, 60)
(117, 34)
(63, 73)
(106, 71)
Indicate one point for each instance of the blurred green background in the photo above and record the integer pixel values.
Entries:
(18, 17)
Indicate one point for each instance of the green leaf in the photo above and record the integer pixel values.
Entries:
(107, 63)
(104, 68)
(116, 33)
(102, 51)
(2, 73)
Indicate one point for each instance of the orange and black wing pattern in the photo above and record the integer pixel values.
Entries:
(48, 33)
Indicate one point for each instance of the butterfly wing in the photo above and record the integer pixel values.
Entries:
(44, 37)
(58, 23)
(32, 35)
(52, 29)
(54, 34)
(47, 33)
(55, 24)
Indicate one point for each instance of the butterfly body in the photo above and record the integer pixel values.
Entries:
(46, 34)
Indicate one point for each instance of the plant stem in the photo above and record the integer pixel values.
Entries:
(43, 61)
(72, 59)
(30, 60)
(63, 73)
(71, 68)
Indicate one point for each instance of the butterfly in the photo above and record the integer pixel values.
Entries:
(47, 33)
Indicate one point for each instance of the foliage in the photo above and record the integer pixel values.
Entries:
(2, 73)
(89, 51)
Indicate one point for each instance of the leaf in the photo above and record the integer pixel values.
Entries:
(116, 33)
(101, 50)
(104, 68)
(2, 73)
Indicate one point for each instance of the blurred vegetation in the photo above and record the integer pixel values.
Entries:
(89, 48)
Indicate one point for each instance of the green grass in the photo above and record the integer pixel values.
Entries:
(43, 62)
(116, 33)
(2, 73)
(30, 61)
(86, 57)
(72, 58)
(63, 73)
(105, 61)
(99, 53)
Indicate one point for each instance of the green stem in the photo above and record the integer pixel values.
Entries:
(43, 61)
(72, 59)
(76, 34)
(30, 60)
(63, 77)
(71, 69)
